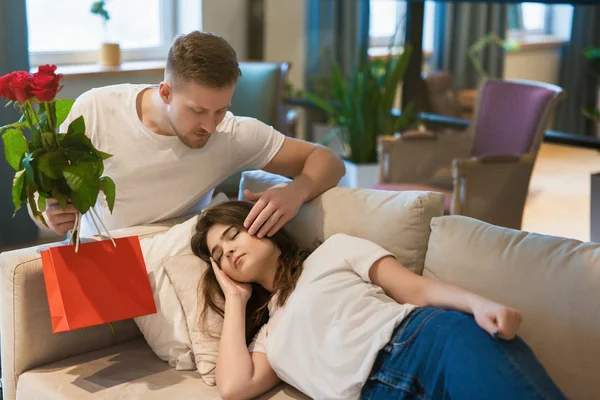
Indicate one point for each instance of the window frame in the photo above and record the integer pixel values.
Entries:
(168, 13)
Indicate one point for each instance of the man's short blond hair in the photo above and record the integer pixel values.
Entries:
(203, 58)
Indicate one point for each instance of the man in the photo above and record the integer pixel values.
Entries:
(173, 143)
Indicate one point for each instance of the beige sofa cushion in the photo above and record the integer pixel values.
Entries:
(554, 282)
(127, 371)
(397, 221)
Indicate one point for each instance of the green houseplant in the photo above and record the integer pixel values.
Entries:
(593, 56)
(362, 104)
(65, 166)
(110, 53)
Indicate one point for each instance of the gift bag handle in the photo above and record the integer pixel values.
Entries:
(93, 217)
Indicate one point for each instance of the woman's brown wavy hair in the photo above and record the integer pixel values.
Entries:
(234, 213)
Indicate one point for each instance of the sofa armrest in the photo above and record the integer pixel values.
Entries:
(492, 188)
(422, 158)
(27, 338)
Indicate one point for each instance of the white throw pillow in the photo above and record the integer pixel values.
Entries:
(185, 273)
(166, 331)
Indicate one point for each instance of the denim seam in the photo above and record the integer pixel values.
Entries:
(397, 346)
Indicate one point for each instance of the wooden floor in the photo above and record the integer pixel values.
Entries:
(559, 193)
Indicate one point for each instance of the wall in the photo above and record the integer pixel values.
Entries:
(535, 64)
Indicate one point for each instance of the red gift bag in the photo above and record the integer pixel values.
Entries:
(96, 283)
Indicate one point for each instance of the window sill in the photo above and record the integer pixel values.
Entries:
(536, 42)
(377, 53)
(96, 70)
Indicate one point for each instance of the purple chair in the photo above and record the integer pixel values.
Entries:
(484, 172)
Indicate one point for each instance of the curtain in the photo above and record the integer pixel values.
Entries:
(580, 86)
(336, 32)
(458, 26)
(15, 56)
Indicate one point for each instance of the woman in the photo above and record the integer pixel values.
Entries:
(349, 321)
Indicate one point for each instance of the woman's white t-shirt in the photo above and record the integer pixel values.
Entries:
(325, 339)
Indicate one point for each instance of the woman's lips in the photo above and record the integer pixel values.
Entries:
(238, 261)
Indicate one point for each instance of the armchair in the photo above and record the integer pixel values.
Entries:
(484, 172)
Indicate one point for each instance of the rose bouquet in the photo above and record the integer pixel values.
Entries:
(60, 165)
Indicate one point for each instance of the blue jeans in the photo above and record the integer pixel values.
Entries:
(442, 354)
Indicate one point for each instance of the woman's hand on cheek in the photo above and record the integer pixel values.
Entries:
(231, 289)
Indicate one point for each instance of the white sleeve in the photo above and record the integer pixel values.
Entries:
(258, 343)
(361, 254)
(84, 105)
(255, 144)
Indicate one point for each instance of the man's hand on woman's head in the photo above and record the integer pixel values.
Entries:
(273, 209)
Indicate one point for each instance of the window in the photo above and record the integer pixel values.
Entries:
(386, 16)
(534, 19)
(65, 31)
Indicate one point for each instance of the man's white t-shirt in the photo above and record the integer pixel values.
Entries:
(325, 339)
(158, 177)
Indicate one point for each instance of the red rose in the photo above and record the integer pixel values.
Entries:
(45, 83)
(20, 84)
(5, 89)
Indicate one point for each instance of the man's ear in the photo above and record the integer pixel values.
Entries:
(166, 92)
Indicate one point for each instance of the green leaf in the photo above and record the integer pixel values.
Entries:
(63, 108)
(52, 164)
(29, 171)
(102, 155)
(83, 200)
(17, 189)
(84, 183)
(79, 175)
(60, 195)
(15, 125)
(36, 140)
(405, 118)
(76, 156)
(15, 145)
(76, 127)
(47, 140)
(108, 187)
(44, 184)
(321, 103)
(41, 203)
(592, 113)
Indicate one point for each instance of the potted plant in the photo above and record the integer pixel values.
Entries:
(64, 166)
(489, 39)
(110, 53)
(361, 111)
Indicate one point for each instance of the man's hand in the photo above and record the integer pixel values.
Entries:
(498, 320)
(273, 209)
(60, 220)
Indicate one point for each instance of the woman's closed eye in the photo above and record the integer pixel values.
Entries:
(233, 234)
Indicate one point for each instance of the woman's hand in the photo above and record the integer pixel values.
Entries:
(498, 320)
(231, 288)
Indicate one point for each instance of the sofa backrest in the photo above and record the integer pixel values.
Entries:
(554, 282)
(397, 221)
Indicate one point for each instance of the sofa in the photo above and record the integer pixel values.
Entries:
(554, 282)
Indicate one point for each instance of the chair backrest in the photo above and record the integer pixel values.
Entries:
(441, 95)
(260, 91)
(512, 116)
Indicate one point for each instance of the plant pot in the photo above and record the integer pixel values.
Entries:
(110, 55)
(320, 131)
(360, 176)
